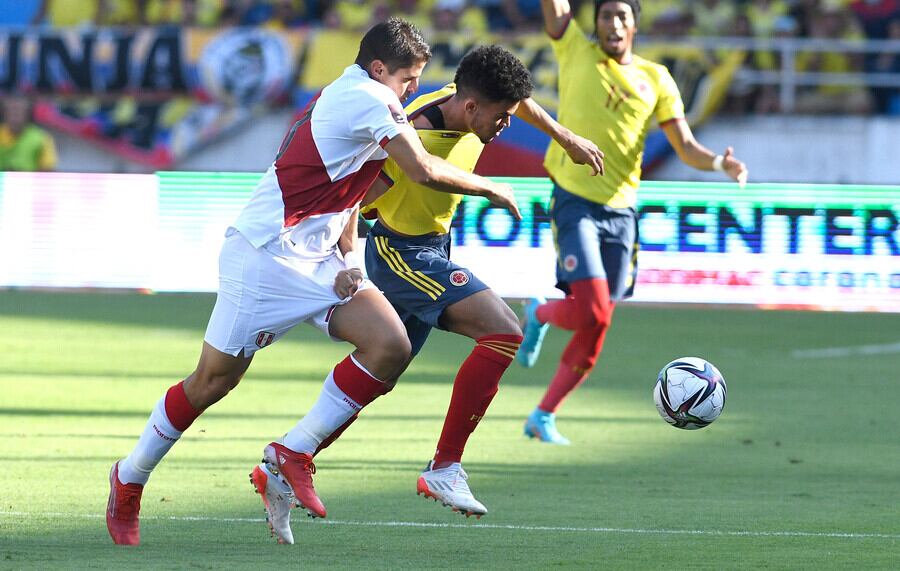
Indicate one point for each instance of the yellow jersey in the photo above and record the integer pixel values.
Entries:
(31, 150)
(611, 104)
(413, 209)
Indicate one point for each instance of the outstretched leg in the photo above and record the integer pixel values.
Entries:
(216, 374)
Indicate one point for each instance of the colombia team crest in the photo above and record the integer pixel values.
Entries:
(459, 278)
(570, 263)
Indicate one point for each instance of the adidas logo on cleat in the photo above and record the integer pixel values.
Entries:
(448, 486)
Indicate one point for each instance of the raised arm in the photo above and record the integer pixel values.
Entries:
(693, 154)
(582, 151)
(431, 171)
(557, 14)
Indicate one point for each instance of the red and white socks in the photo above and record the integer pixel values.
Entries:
(172, 415)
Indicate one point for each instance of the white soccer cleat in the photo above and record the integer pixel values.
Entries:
(448, 486)
(278, 498)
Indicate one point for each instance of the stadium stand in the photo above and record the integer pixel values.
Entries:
(106, 70)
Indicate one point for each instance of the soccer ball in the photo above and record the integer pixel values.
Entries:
(689, 393)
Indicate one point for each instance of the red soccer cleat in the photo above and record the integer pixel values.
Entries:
(297, 469)
(122, 510)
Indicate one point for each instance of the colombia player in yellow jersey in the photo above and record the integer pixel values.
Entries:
(611, 96)
(408, 249)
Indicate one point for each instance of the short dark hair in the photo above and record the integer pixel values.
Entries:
(635, 8)
(494, 73)
(396, 42)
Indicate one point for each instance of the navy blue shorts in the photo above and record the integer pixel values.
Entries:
(418, 278)
(594, 241)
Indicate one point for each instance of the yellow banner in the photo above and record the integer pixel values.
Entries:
(702, 77)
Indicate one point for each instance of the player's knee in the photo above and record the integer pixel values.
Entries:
(512, 327)
(506, 326)
(392, 353)
(597, 318)
(498, 323)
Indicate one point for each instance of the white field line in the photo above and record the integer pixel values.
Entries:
(479, 525)
(846, 351)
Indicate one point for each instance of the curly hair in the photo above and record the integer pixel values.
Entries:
(493, 73)
(396, 42)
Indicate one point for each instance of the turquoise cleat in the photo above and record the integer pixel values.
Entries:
(542, 425)
(533, 332)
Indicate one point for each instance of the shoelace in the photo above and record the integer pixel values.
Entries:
(461, 487)
(459, 480)
(128, 503)
(308, 466)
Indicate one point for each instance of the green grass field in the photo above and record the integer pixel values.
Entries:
(802, 471)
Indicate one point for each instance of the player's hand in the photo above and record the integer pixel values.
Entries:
(501, 194)
(735, 168)
(346, 282)
(584, 152)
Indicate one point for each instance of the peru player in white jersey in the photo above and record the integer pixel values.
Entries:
(289, 258)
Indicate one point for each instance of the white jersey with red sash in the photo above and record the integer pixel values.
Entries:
(325, 166)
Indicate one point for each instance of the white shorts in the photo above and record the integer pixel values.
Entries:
(263, 294)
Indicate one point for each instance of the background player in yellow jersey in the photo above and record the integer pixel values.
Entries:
(611, 96)
(23, 145)
(408, 249)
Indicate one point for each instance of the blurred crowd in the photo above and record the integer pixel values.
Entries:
(22, 142)
(764, 18)
(832, 19)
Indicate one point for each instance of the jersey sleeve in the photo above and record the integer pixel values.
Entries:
(388, 175)
(390, 172)
(379, 119)
(668, 103)
(570, 42)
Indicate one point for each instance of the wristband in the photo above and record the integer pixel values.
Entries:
(352, 260)
(717, 163)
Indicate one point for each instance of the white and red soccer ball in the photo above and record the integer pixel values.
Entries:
(689, 393)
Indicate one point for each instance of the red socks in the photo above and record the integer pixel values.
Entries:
(356, 382)
(476, 384)
(589, 312)
(561, 313)
(566, 380)
(180, 412)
